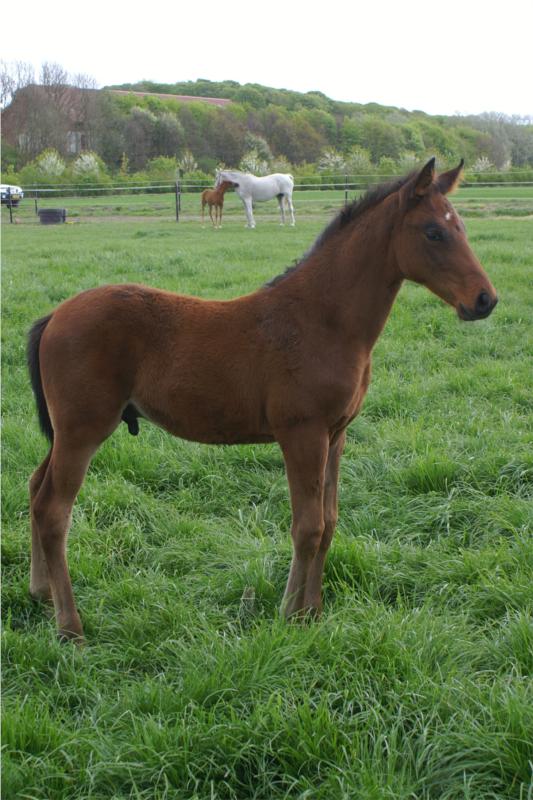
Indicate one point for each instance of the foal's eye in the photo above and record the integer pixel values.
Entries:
(435, 234)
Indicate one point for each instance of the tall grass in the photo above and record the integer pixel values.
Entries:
(417, 681)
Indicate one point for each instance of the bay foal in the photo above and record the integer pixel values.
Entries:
(288, 363)
(214, 198)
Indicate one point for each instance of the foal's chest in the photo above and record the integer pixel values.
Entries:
(350, 400)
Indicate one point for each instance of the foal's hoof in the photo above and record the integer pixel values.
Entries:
(71, 631)
(302, 616)
(66, 636)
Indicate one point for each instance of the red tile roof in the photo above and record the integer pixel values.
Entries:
(182, 98)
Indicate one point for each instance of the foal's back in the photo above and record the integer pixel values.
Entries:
(183, 362)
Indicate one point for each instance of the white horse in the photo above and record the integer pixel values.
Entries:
(250, 188)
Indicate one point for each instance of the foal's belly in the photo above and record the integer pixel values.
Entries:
(208, 424)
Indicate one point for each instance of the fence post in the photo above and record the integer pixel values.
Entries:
(178, 201)
(9, 205)
(36, 205)
(345, 190)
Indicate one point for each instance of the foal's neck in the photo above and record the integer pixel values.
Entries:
(352, 279)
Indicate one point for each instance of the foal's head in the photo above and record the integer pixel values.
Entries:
(431, 246)
(223, 186)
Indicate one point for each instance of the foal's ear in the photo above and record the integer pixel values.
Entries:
(424, 179)
(449, 181)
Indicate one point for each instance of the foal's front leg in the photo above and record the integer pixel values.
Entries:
(305, 452)
(313, 589)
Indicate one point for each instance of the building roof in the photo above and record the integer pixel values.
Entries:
(182, 98)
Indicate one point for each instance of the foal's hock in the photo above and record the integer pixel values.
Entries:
(288, 363)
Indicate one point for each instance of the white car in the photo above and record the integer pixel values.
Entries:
(14, 193)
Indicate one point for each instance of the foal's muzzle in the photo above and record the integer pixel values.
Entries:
(483, 307)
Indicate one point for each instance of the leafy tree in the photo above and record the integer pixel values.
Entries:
(169, 136)
(260, 145)
(414, 141)
(323, 123)
(521, 138)
(381, 138)
(351, 133)
(226, 136)
(248, 95)
(108, 138)
(139, 136)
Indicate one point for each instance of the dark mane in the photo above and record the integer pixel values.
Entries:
(345, 217)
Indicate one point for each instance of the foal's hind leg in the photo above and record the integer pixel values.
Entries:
(313, 589)
(305, 452)
(39, 578)
(51, 517)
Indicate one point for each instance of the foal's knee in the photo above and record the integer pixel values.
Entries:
(307, 540)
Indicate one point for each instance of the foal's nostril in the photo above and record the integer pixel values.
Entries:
(483, 303)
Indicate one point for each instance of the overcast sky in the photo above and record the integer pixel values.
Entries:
(465, 56)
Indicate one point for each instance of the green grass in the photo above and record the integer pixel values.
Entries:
(417, 683)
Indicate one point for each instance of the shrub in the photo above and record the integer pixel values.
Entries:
(50, 164)
(281, 164)
(483, 164)
(331, 161)
(388, 166)
(47, 169)
(163, 168)
(187, 162)
(358, 161)
(252, 162)
(88, 167)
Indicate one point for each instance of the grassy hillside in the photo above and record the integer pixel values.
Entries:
(417, 681)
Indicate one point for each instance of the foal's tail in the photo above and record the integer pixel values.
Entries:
(34, 340)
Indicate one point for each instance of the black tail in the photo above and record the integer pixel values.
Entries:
(34, 340)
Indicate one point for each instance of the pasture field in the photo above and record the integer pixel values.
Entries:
(417, 682)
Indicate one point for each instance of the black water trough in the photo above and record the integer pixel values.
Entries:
(52, 216)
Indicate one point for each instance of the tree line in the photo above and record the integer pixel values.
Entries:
(262, 129)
